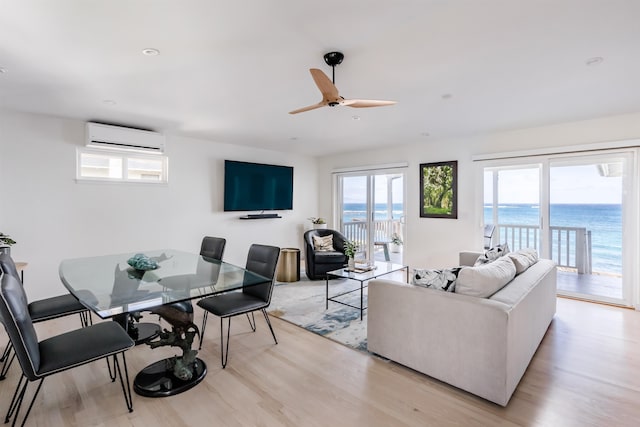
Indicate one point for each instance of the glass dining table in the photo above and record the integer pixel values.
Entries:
(111, 288)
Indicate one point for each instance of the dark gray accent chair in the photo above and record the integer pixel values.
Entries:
(319, 263)
(41, 310)
(39, 359)
(261, 259)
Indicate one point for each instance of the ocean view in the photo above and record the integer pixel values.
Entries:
(603, 220)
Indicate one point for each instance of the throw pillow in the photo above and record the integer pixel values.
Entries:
(523, 259)
(442, 280)
(492, 254)
(486, 279)
(323, 244)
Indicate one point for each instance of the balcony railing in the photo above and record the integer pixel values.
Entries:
(384, 229)
(570, 246)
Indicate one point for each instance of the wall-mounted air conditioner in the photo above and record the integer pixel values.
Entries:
(117, 137)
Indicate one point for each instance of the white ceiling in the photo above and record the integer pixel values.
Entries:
(231, 70)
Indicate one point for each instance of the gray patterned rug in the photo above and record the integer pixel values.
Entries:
(303, 304)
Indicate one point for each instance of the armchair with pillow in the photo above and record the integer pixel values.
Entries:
(324, 252)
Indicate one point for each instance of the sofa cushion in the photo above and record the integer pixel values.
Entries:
(329, 258)
(442, 280)
(523, 259)
(484, 280)
(323, 243)
(493, 254)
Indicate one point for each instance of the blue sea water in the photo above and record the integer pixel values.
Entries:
(603, 220)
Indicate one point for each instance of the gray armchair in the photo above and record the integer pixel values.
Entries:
(319, 263)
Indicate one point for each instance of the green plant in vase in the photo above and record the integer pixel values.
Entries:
(5, 243)
(350, 249)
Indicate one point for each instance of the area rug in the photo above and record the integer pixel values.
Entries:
(303, 304)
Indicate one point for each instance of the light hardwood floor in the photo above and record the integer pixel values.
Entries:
(585, 373)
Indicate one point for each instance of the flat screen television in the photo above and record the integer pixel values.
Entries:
(257, 187)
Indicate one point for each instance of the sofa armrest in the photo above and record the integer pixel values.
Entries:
(468, 258)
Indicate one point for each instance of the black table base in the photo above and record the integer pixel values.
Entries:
(158, 380)
(145, 332)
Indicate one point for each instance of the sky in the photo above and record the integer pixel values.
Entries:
(569, 184)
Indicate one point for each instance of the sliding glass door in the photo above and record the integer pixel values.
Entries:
(371, 212)
(572, 210)
(585, 218)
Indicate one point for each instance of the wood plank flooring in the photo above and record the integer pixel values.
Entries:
(585, 373)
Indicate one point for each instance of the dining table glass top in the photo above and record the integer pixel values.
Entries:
(109, 286)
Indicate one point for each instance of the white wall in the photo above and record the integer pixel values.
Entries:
(432, 242)
(52, 217)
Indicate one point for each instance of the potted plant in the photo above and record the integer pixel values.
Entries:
(396, 242)
(350, 249)
(5, 243)
(318, 223)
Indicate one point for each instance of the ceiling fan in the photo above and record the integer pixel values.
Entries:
(330, 95)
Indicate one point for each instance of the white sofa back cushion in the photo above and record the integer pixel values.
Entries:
(485, 280)
(523, 259)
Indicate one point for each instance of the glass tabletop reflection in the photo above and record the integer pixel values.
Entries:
(109, 286)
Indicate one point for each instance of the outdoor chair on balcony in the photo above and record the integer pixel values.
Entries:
(488, 235)
(320, 260)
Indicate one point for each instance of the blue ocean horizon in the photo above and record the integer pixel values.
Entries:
(603, 220)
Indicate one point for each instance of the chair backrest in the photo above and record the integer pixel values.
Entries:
(488, 235)
(213, 247)
(17, 322)
(8, 266)
(338, 238)
(262, 259)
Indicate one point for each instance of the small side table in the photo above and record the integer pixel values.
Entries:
(21, 266)
(289, 265)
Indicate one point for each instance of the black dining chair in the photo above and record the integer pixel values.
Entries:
(261, 259)
(40, 359)
(41, 310)
(212, 247)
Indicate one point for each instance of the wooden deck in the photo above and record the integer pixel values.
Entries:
(597, 285)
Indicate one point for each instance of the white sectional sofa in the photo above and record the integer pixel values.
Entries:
(481, 345)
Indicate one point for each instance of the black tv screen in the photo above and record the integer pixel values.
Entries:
(257, 187)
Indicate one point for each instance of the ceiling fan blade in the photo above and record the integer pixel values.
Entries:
(310, 107)
(328, 89)
(363, 103)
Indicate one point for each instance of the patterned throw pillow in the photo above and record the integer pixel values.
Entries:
(492, 254)
(442, 280)
(323, 244)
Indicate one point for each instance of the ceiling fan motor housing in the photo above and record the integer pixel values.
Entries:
(333, 58)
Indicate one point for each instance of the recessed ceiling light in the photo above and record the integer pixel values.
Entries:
(596, 60)
(355, 117)
(150, 52)
(447, 96)
(109, 102)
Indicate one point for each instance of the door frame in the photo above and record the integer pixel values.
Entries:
(630, 206)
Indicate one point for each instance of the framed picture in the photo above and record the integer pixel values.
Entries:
(439, 190)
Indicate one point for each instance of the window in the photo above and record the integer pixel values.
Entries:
(116, 166)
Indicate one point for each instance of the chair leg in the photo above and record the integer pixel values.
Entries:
(16, 402)
(125, 390)
(85, 318)
(112, 372)
(252, 324)
(266, 317)
(204, 325)
(6, 351)
(8, 360)
(224, 354)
